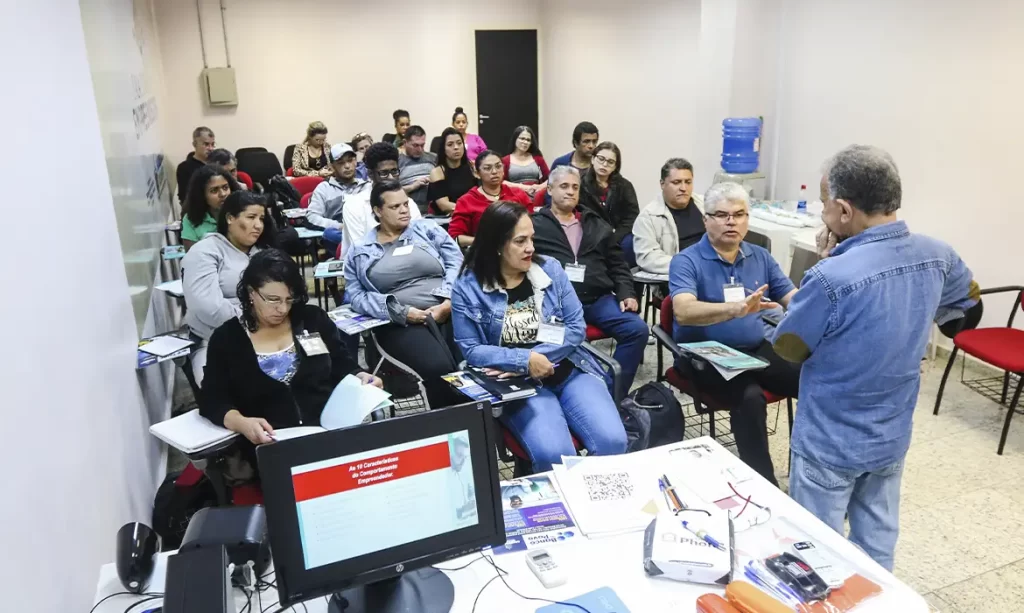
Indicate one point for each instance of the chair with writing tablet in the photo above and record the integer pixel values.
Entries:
(306, 185)
(705, 404)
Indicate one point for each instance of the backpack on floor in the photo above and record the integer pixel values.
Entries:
(664, 410)
(637, 423)
(177, 499)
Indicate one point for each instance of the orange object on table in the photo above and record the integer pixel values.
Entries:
(713, 603)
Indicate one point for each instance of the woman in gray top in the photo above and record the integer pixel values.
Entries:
(403, 272)
(525, 167)
(211, 268)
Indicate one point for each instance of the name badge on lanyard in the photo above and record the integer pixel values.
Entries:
(312, 344)
(734, 292)
(575, 272)
(551, 332)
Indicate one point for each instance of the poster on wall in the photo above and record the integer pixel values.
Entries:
(125, 65)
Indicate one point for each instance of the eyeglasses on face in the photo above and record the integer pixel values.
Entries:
(605, 161)
(493, 168)
(384, 174)
(723, 216)
(276, 301)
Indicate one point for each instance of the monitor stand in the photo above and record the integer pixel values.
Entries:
(426, 590)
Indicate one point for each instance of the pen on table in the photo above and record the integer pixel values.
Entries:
(704, 536)
(677, 502)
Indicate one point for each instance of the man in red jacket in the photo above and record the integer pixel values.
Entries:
(472, 204)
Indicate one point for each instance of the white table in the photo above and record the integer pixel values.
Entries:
(784, 239)
(614, 561)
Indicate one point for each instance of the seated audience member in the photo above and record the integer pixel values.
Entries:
(360, 143)
(203, 143)
(611, 195)
(210, 270)
(328, 199)
(474, 144)
(525, 166)
(309, 159)
(491, 189)
(209, 187)
(403, 272)
(717, 287)
(382, 164)
(415, 165)
(402, 123)
(453, 175)
(671, 222)
(499, 300)
(225, 159)
(859, 325)
(584, 244)
(584, 139)
(274, 363)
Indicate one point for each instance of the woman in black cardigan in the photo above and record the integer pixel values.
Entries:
(609, 194)
(277, 364)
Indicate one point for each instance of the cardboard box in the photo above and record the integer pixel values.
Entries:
(673, 552)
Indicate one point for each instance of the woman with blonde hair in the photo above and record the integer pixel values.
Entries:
(310, 156)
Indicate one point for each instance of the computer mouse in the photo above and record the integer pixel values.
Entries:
(137, 546)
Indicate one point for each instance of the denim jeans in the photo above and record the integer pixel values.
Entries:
(331, 240)
(872, 499)
(629, 331)
(580, 404)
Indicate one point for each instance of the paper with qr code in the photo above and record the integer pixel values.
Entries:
(608, 494)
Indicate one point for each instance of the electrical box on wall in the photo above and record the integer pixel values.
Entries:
(220, 86)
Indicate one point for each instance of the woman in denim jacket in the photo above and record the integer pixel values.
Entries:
(403, 272)
(505, 297)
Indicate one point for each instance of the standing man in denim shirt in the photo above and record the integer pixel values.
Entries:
(859, 324)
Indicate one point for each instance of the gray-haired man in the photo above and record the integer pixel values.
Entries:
(859, 325)
(203, 142)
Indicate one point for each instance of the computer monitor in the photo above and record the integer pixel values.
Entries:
(356, 512)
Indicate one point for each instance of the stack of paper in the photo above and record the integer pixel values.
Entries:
(351, 402)
(305, 233)
(643, 275)
(191, 432)
(727, 361)
(329, 269)
(174, 288)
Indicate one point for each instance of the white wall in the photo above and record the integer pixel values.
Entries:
(939, 88)
(74, 451)
(631, 69)
(350, 66)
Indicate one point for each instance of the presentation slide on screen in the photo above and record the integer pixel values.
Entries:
(366, 502)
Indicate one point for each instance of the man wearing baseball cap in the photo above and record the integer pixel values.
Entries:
(328, 199)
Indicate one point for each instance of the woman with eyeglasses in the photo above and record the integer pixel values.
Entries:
(453, 175)
(360, 143)
(403, 272)
(211, 268)
(474, 144)
(492, 188)
(275, 363)
(209, 186)
(309, 158)
(609, 194)
(516, 313)
(525, 167)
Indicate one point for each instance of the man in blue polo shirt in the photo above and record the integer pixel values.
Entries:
(859, 325)
(718, 287)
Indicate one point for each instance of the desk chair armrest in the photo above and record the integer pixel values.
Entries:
(214, 451)
(665, 340)
(1002, 289)
(613, 367)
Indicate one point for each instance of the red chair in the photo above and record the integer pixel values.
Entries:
(705, 404)
(306, 185)
(538, 198)
(288, 172)
(1000, 347)
(244, 178)
(304, 202)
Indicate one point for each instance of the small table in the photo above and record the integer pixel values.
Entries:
(614, 561)
(321, 272)
(782, 238)
(649, 281)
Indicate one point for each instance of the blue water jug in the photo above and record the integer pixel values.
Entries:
(741, 140)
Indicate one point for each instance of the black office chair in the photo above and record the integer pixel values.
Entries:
(435, 147)
(260, 166)
(289, 151)
(240, 152)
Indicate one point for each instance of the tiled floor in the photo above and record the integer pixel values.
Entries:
(961, 529)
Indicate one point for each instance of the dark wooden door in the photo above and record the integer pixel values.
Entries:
(506, 84)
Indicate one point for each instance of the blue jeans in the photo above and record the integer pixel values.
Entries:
(629, 331)
(582, 405)
(331, 239)
(872, 499)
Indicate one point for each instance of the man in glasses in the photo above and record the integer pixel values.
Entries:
(381, 161)
(415, 166)
(719, 286)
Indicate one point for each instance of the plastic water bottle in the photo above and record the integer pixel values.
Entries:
(741, 144)
(801, 203)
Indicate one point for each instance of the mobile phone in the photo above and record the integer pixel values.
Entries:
(822, 564)
(799, 576)
(335, 266)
